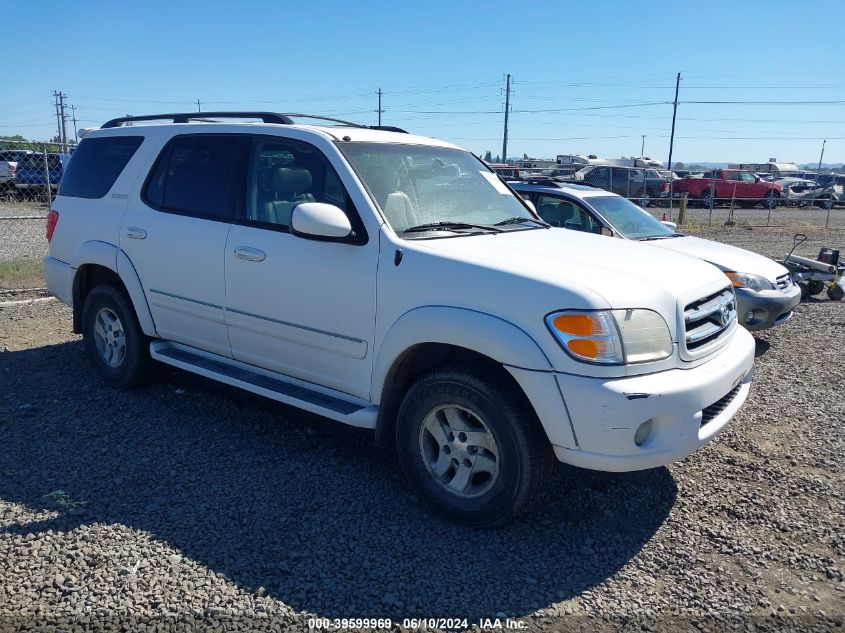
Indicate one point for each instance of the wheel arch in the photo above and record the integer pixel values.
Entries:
(100, 262)
(429, 337)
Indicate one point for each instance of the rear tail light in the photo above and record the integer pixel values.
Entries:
(665, 186)
(12, 169)
(52, 221)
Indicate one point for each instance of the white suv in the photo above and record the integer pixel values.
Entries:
(392, 282)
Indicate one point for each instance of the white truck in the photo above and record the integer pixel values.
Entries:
(391, 282)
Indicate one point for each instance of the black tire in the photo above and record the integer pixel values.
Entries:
(805, 291)
(524, 456)
(835, 293)
(815, 287)
(771, 200)
(707, 199)
(132, 367)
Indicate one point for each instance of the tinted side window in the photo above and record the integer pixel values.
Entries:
(198, 175)
(95, 165)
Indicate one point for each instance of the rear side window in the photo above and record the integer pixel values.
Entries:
(199, 175)
(96, 164)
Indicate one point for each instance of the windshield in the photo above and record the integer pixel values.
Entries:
(629, 219)
(417, 185)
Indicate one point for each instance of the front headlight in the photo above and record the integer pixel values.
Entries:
(752, 282)
(611, 337)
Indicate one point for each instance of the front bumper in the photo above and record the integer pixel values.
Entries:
(767, 308)
(687, 409)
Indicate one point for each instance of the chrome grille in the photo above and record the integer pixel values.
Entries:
(707, 319)
(784, 282)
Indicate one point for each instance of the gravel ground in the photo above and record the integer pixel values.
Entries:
(188, 499)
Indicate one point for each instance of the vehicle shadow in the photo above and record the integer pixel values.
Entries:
(302, 507)
(761, 346)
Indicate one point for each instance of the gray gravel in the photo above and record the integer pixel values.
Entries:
(190, 499)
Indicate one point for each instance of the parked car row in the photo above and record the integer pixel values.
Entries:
(29, 172)
(396, 283)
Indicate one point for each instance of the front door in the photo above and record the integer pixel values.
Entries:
(175, 233)
(300, 307)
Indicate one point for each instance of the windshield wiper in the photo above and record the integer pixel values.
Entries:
(450, 226)
(660, 237)
(520, 220)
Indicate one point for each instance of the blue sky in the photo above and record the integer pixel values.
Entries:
(583, 71)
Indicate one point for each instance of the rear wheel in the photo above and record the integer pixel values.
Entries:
(471, 446)
(114, 341)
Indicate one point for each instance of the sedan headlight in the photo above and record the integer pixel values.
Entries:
(611, 337)
(752, 282)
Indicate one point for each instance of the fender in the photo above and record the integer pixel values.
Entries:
(496, 338)
(130, 278)
(95, 252)
(109, 256)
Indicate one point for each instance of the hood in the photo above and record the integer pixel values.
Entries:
(622, 273)
(724, 256)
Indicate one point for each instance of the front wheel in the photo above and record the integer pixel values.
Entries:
(708, 199)
(835, 293)
(114, 341)
(470, 444)
(770, 201)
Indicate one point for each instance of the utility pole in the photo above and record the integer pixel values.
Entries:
(672, 141)
(75, 132)
(507, 110)
(380, 111)
(199, 106)
(58, 116)
(819, 170)
(642, 148)
(62, 97)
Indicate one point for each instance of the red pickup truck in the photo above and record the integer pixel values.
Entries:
(722, 185)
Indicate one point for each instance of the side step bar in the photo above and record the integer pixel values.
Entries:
(297, 393)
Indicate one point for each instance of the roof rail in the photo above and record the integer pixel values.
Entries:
(266, 117)
(185, 117)
(319, 117)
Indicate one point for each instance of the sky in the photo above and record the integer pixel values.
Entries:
(588, 77)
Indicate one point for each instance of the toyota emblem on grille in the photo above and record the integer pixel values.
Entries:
(724, 315)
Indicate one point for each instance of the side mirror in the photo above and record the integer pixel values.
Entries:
(670, 225)
(319, 220)
(606, 231)
(530, 205)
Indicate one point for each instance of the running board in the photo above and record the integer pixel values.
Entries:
(297, 393)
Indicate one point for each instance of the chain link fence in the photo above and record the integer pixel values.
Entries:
(29, 178)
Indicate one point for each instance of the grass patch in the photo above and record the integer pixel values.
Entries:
(21, 273)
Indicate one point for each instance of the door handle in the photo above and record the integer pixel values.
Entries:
(250, 254)
(136, 233)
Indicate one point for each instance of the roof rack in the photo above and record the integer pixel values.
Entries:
(266, 117)
(185, 117)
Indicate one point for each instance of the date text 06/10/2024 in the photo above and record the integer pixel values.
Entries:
(487, 624)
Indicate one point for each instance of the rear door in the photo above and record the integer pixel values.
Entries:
(175, 231)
